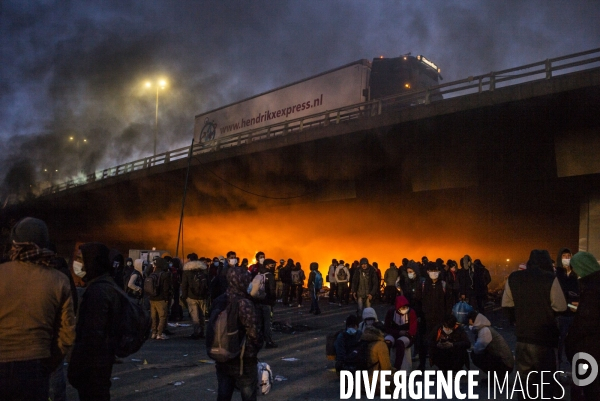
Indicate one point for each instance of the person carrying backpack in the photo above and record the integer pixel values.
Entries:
(342, 276)
(298, 278)
(159, 290)
(132, 279)
(331, 279)
(93, 355)
(194, 289)
(285, 274)
(265, 298)
(240, 371)
(315, 283)
(371, 353)
(346, 341)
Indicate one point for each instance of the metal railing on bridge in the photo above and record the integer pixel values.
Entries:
(474, 84)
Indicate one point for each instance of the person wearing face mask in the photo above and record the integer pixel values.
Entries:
(286, 279)
(218, 285)
(401, 329)
(569, 284)
(448, 345)
(346, 341)
(36, 316)
(369, 319)
(365, 285)
(390, 277)
(132, 280)
(465, 278)
(194, 289)
(436, 304)
(260, 262)
(93, 355)
(491, 352)
(278, 282)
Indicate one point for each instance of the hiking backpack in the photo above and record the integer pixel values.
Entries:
(342, 275)
(152, 284)
(296, 277)
(318, 280)
(224, 341)
(199, 284)
(265, 378)
(132, 328)
(256, 289)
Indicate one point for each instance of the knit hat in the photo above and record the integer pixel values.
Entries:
(364, 261)
(369, 313)
(540, 258)
(314, 266)
(584, 264)
(30, 229)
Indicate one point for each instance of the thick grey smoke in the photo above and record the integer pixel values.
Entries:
(76, 69)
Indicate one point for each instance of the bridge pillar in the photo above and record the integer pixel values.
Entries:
(589, 225)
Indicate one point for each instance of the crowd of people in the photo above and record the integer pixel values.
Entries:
(60, 324)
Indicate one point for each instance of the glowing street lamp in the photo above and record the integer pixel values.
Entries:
(160, 84)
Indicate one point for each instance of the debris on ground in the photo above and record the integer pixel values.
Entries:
(176, 383)
(279, 378)
(287, 328)
(290, 359)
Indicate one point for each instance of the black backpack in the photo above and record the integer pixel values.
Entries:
(132, 328)
(358, 357)
(199, 284)
(330, 344)
(152, 284)
(224, 339)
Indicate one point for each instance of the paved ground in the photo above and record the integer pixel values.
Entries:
(179, 369)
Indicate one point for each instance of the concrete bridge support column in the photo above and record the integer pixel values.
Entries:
(589, 225)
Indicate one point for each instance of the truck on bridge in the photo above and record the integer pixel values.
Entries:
(349, 84)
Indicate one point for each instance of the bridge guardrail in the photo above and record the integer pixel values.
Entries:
(474, 84)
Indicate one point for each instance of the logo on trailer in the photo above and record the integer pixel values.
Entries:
(208, 131)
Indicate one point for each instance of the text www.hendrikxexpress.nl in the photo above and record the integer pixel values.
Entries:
(271, 115)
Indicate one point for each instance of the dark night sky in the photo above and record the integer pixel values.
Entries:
(72, 68)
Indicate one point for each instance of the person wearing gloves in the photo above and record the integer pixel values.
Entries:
(401, 329)
(583, 333)
(491, 352)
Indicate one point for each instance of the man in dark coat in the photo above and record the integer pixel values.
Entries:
(448, 345)
(481, 280)
(93, 355)
(264, 306)
(159, 304)
(534, 296)
(365, 285)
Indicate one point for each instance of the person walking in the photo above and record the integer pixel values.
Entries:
(159, 303)
(195, 291)
(365, 285)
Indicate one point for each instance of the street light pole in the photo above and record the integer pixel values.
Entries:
(159, 85)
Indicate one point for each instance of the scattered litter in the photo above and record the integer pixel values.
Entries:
(167, 365)
(210, 389)
(206, 361)
(280, 378)
(288, 328)
(331, 370)
(173, 325)
(137, 391)
(155, 376)
(185, 354)
(176, 383)
(116, 378)
(290, 359)
(145, 362)
(65, 364)
(136, 360)
(315, 338)
(179, 324)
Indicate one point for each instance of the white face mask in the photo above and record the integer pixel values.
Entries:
(447, 331)
(433, 275)
(78, 269)
(351, 330)
(411, 275)
(215, 263)
(232, 262)
(261, 261)
(566, 262)
(129, 263)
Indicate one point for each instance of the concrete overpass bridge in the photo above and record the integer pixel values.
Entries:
(506, 162)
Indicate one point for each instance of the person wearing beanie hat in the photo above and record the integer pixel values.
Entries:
(342, 277)
(533, 296)
(314, 277)
(34, 339)
(389, 278)
(159, 303)
(585, 329)
(333, 288)
(264, 307)
(365, 285)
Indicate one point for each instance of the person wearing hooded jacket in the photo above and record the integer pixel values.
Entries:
(400, 328)
(93, 355)
(390, 277)
(481, 280)
(298, 278)
(491, 352)
(379, 353)
(342, 276)
(33, 340)
(285, 274)
(194, 273)
(264, 306)
(331, 279)
(159, 304)
(228, 373)
(448, 346)
(365, 285)
(465, 278)
(132, 279)
(346, 341)
(584, 331)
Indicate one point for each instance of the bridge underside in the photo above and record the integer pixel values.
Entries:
(493, 181)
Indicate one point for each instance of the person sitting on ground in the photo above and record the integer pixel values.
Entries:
(401, 329)
(448, 346)
(369, 319)
(346, 341)
(491, 352)
(379, 353)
